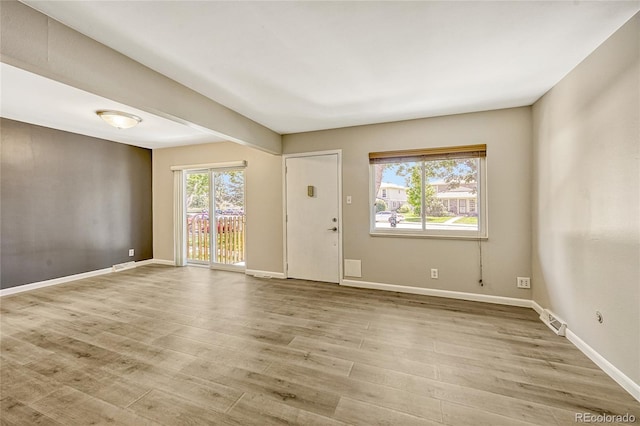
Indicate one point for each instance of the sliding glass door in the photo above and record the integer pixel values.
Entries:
(228, 207)
(215, 217)
(198, 202)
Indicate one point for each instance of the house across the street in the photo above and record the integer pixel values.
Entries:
(458, 200)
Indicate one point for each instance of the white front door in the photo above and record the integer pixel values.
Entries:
(313, 217)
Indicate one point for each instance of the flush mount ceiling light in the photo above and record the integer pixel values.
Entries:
(121, 120)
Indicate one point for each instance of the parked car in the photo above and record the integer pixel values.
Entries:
(386, 215)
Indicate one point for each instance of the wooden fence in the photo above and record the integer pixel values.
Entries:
(229, 239)
(198, 238)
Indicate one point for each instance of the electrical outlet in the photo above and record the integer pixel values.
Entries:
(434, 274)
(524, 282)
(131, 252)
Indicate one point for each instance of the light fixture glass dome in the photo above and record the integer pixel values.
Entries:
(121, 120)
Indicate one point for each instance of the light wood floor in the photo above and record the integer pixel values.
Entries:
(190, 346)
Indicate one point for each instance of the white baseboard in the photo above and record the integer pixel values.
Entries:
(159, 262)
(611, 370)
(264, 274)
(622, 379)
(539, 309)
(54, 281)
(75, 277)
(227, 268)
(500, 300)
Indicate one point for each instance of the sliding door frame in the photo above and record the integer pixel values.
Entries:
(180, 197)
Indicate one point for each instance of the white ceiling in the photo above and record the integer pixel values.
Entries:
(301, 66)
(37, 100)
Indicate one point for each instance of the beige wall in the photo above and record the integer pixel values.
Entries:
(263, 180)
(586, 205)
(406, 261)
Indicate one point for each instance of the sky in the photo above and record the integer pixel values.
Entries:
(389, 176)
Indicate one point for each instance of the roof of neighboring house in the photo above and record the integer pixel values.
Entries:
(441, 182)
(387, 185)
(459, 189)
(457, 194)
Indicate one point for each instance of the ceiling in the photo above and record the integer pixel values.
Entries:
(302, 66)
(37, 100)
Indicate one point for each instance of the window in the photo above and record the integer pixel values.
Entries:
(463, 207)
(442, 192)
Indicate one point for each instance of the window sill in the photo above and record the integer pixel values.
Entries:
(396, 234)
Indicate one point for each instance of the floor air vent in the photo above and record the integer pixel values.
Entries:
(553, 322)
(123, 266)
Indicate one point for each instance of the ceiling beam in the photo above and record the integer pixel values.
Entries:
(36, 43)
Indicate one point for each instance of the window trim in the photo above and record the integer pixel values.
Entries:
(472, 151)
(464, 151)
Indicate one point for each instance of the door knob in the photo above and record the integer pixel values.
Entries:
(334, 229)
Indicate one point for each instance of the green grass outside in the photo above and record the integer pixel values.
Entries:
(430, 219)
(433, 219)
(468, 220)
(412, 219)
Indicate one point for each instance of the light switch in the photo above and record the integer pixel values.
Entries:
(348, 199)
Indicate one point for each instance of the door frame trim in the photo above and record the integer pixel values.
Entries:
(285, 257)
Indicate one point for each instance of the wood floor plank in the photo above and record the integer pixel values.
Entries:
(365, 357)
(526, 359)
(96, 382)
(416, 404)
(254, 409)
(21, 352)
(196, 389)
(23, 384)
(219, 354)
(295, 394)
(13, 412)
(542, 394)
(168, 409)
(250, 354)
(460, 415)
(173, 346)
(160, 357)
(360, 413)
(83, 352)
(513, 408)
(71, 407)
(505, 366)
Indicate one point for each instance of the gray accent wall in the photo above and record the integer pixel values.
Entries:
(70, 203)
